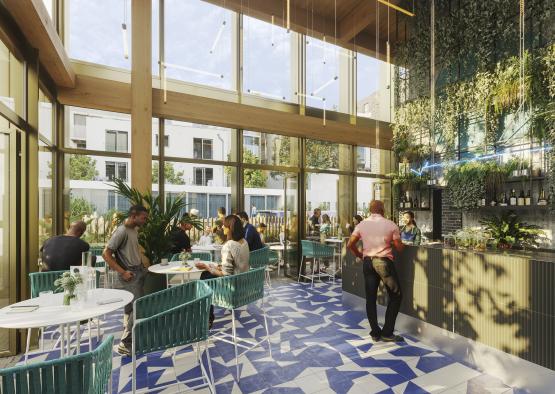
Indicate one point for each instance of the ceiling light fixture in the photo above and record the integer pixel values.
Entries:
(325, 85)
(218, 36)
(124, 32)
(396, 7)
(195, 70)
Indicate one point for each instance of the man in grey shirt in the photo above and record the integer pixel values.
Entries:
(122, 254)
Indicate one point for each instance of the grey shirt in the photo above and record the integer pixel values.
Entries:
(235, 257)
(125, 244)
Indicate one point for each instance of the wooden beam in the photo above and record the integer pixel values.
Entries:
(356, 20)
(103, 94)
(141, 95)
(34, 21)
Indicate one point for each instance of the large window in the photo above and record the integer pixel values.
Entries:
(375, 161)
(327, 72)
(198, 43)
(11, 81)
(203, 176)
(270, 63)
(116, 169)
(374, 88)
(96, 33)
(46, 202)
(328, 155)
(369, 189)
(46, 116)
(270, 149)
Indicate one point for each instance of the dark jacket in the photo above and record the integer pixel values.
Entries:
(253, 238)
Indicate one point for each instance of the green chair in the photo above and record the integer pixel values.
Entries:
(173, 317)
(317, 252)
(204, 256)
(44, 281)
(261, 258)
(88, 373)
(96, 250)
(233, 292)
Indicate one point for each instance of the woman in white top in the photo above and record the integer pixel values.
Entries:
(235, 254)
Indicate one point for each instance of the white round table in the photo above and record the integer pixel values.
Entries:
(176, 268)
(52, 312)
(213, 249)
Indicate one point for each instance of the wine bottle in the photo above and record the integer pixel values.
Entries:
(407, 201)
(416, 202)
(493, 201)
(520, 200)
(528, 198)
(503, 202)
(541, 198)
(512, 199)
(402, 202)
(410, 202)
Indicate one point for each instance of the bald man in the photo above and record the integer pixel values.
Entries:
(379, 236)
(62, 251)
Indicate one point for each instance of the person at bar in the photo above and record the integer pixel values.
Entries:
(261, 228)
(356, 220)
(180, 239)
(122, 254)
(235, 255)
(410, 233)
(62, 251)
(379, 236)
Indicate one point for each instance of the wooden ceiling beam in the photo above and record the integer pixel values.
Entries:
(36, 25)
(103, 94)
(356, 20)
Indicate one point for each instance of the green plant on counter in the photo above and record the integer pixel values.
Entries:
(509, 231)
(155, 235)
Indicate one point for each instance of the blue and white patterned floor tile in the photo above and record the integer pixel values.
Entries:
(318, 345)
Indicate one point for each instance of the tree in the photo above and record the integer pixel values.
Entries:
(252, 177)
(319, 154)
(82, 168)
(78, 208)
(170, 174)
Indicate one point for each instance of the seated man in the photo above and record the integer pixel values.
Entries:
(251, 235)
(180, 239)
(62, 251)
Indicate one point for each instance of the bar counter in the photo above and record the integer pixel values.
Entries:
(503, 299)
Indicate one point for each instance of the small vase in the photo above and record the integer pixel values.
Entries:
(68, 296)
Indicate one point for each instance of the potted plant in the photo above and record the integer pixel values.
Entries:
(508, 231)
(155, 236)
(67, 282)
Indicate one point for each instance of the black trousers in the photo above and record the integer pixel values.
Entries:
(207, 275)
(375, 270)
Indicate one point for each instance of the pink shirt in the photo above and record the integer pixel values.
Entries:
(376, 234)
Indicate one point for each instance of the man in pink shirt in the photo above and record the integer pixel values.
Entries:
(379, 235)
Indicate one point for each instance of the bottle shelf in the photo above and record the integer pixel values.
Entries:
(525, 179)
(512, 207)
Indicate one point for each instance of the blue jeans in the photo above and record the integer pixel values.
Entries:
(378, 269)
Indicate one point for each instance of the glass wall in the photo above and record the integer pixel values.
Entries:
(99, 32)
(5, 225)
(270, 149)
(374, 88)
(374, 161)
(369, 189)
(11, 81)
(198, 43)
(270, 61)
(327, 76)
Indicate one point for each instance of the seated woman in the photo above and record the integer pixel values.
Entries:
(325, 227)
(410, 233)
(235, 255)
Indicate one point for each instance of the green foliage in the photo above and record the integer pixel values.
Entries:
(155, 235)
(171, 176)
(509, 231)
(82, 168)
(253, 177)
(322, 154)
(79, 208)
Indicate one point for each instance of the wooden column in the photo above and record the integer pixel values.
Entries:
(141, 94)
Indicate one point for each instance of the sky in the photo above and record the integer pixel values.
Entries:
(198, 40)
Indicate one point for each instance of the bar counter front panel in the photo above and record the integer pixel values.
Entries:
(504, 300)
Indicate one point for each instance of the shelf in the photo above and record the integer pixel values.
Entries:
(512, 208)
(413, 209)
(525, 179)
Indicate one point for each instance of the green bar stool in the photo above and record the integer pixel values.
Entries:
(233, 292)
